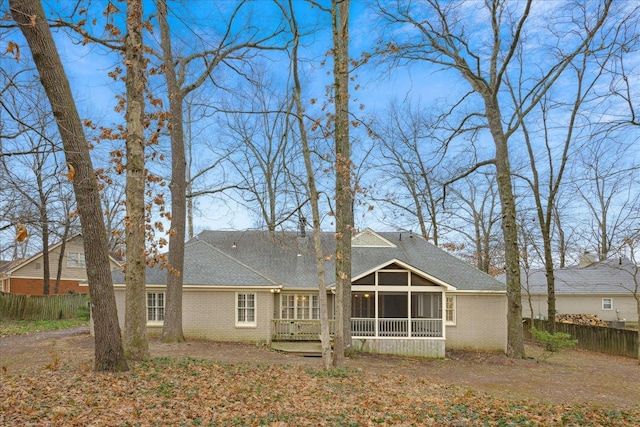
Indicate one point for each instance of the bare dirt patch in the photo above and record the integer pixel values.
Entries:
(571, 377)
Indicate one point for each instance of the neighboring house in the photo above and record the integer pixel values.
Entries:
(601, 288)
(25, 276)
(408, 296)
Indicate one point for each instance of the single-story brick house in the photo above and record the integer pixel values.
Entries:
(26, 276)
(408, 296)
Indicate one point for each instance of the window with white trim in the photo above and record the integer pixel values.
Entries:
(246, 309)
(299, 306)
(288, 306)
(155, 307)
(76, 260)
(450, 309)
(607, 303)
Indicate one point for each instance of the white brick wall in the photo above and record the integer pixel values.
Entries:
(481, 323)
(481, 319)
(211, 315)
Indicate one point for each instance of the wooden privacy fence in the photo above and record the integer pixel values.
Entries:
(620, 342)
(41, 307)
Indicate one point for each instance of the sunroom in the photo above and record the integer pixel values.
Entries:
(398, 309)
(397, 302)
(394, 309)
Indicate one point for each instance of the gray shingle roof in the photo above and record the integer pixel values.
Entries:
(614, 276)
(206, 265)
(264, 258)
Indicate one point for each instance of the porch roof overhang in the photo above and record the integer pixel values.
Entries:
(404, 265)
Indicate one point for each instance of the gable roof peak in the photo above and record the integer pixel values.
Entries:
(370, 239)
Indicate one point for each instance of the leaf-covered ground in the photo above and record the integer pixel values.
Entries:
(182, 391)
(46, 378)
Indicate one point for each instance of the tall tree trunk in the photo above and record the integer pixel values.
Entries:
(44, 224)
(109, 354)
(515, 333)
(313, 197)
(188, 189)
(46, 262)
(172, 326)
(344, 195)
(63, 247)
(135, 331)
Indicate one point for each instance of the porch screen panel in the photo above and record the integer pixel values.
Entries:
(426, 305)
(398, 278)
(392, 305)
(393, 314)
(419, 281)
(363, 305)
(369, 279)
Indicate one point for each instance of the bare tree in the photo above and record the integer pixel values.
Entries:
(475, 209)
(314, 196)
(135, 333)
(36, 176)
(344, 191)
(30, 17)
(172, 325)
(262, 152)
(437, 33)
(607, 182)
(547, 170)
(410, 156)
(634, 270)
(232, 46)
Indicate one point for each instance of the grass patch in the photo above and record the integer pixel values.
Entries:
(20, 327)
(333, 373)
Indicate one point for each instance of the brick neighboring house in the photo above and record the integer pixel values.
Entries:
(409, 297)
(25, 276)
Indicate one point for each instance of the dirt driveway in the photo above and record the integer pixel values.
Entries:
(571, 377)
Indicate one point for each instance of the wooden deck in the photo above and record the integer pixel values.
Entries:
(299, 348)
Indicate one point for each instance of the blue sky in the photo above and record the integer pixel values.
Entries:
(88, 65)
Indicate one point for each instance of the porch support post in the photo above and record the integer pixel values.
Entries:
(409, 329)
(443, 315)
(377, 303)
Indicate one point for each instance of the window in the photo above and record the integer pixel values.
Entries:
(75, 260)
(246, 309)
(288, 303)
(607, 303)
(299, 306)
(155, 307)
(315, 307)
(304, 309)
(450, 310)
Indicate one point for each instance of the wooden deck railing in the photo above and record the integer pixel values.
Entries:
(298, 330)
(309, 330)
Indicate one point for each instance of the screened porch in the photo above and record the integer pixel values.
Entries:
(392, 302)
(397, 314)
